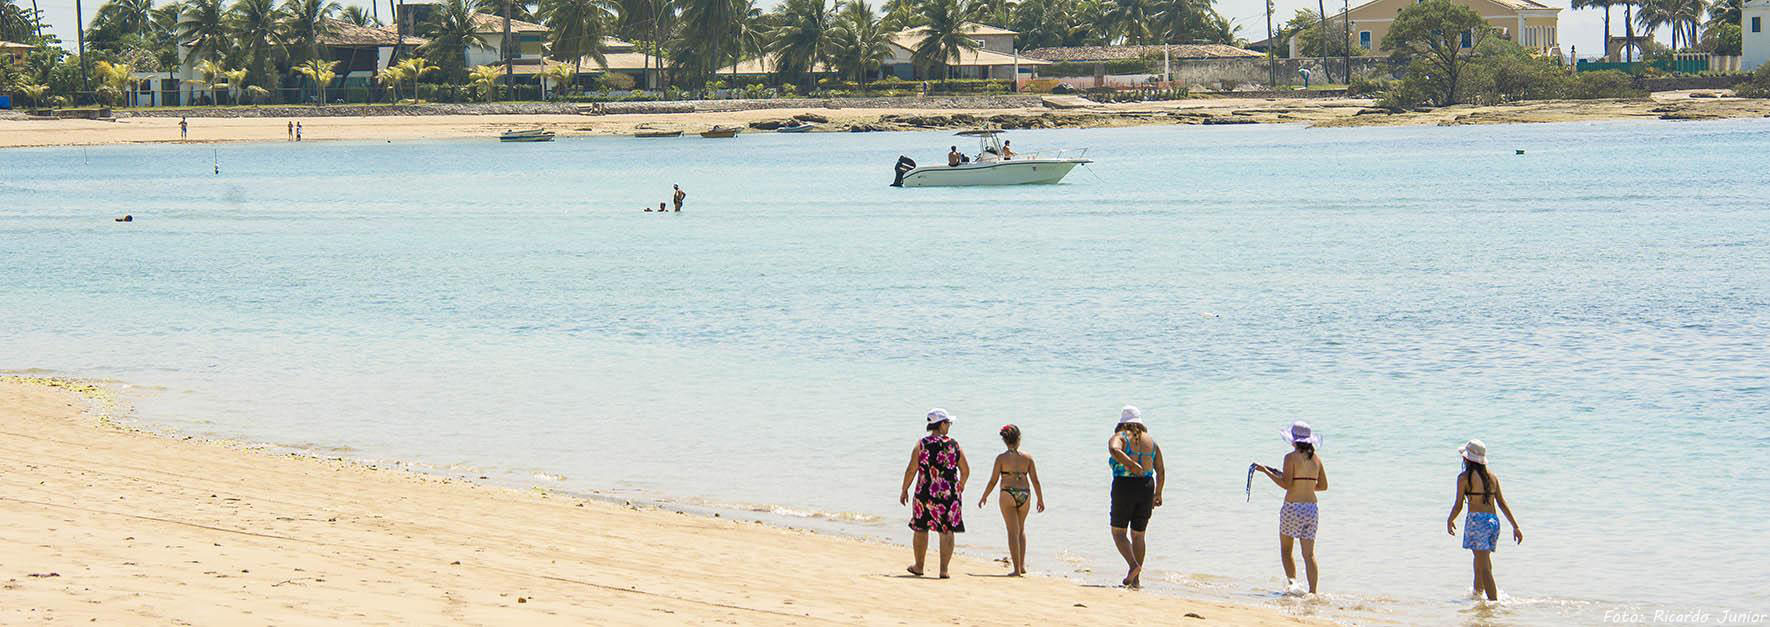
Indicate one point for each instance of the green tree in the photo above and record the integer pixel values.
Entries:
(902, 15)
(322, 73)
(203, 29)
(942, 39)
(484, 80)
(1603, 5)
(1316, 38)
(116, 19)
(859, 42)
(114, 80)
(451, 30)
(707, 36)
(1430, 37)
(1725, 12)
(415, 68)
(578, 29)
(304, 24)
(359, 16)
(802, 41)
(1128, 21)
(254, 26)
(17, 23)
(1723, 39)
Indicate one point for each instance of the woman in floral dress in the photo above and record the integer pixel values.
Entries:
(939, 470)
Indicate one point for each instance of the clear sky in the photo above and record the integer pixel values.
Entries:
(1584, 29)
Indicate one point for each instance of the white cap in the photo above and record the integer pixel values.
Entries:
(937, 416)
(1130, 415)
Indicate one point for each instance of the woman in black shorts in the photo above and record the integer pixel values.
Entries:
(1137, 477)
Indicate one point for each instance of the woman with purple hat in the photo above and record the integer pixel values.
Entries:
(1301, 477)
(939, 470)
(1481, 530)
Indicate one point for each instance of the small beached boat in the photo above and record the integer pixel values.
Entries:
(989, 167)
(721, 131)
(675, 133)
(801, 127)
(530, 135)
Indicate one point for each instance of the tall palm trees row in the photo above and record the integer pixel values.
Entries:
(1684, 18)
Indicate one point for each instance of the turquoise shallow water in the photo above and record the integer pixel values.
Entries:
(1596, 310)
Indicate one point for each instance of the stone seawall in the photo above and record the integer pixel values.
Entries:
(1001, 101)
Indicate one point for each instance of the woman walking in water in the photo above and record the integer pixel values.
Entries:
(938, 467)
(1481, 530)
(1301, 477)
(1137, 478)
(1020, 485)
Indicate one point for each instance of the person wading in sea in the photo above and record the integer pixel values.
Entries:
(939, 470)
(678, 196)
(1137, 478)
(1301, 476)
(1481, 530)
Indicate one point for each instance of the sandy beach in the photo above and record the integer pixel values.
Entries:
(111, 524)
(1327, 112)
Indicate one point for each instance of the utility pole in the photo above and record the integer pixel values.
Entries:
(1271, 63)
(509, 62)
(80, 33)
(1346, 20)
(1321, 25)
(37, 18)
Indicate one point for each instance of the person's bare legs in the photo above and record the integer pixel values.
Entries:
(946, 552)
(1009, 518)
(1020, 529)
(1308, 562)
(1484, 575)
(1137, 549)
(920, 547)
(1121, 540)
(1284, 557)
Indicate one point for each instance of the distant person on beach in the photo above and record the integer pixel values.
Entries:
(1137, 479)
(677, 196)
(1306, 74)
(1301, 475)
(1020, 486)
(184, 128)
(291, 130)
(1481, 530)
(953, 157)
(939, 470)
(297, 131)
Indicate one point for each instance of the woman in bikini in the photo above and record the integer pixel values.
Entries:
(1481, 530)
(1301, 477)
(938, 467)
(1137, 479)
(1020, 485)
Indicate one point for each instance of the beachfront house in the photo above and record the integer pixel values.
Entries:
(1528, 23)
(995, 58)
(14, 52)
(360, 52)
(528, 39)
(1084, 67)
(1754, 34)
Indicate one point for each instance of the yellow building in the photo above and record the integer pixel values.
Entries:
(14, 52)
(1528, 23)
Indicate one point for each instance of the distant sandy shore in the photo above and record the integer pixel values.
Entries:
(1326, 112)
(103, 523)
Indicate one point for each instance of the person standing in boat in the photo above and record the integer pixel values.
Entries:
(1007, 150)
(678, 196)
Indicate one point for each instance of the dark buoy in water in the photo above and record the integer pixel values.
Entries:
(1518, 152)
(126, 218)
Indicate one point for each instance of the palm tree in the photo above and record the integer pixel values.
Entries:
(415, 68)
(563, 76)
(117, 18)
(578, 30)
(859, 41)
(305, 22)
(321, 73)
(484, 79)
(32, 91)
(902, 15)
(390, 78)
(1603, 5)
(1182, 21)
(236, 83)
(164, 27)
(16, 24)
(1128, 21)
(802, 40)
(707, 35)
(113, 80)
(212, 75)
(996, 12)
(1673, 13)
(359, 16)
(452, 31)
(203, 29)
(253, 26)
(943, 36)
(749, 36)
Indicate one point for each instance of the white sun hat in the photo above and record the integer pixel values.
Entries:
(1475, 451)
(1300, 432)
(1130, 416)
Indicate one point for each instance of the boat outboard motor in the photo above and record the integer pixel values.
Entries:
(904, 165)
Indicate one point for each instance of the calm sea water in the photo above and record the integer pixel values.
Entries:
(1596, 310)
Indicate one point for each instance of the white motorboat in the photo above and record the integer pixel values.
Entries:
(989, 167)
(530, 135)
